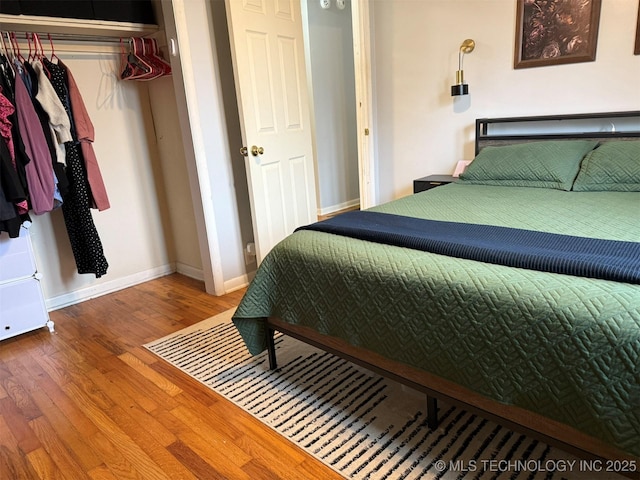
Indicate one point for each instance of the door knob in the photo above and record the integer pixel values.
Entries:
(255, 151)
(244, 151)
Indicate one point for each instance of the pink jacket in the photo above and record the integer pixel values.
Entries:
(39, 171)
(86, 135)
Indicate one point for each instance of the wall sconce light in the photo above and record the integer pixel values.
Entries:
(461, 88)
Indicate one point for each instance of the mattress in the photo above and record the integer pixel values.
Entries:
(563, 346)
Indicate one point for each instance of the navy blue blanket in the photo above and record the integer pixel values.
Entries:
(548, 252)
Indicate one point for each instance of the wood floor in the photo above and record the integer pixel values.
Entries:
(90, 402)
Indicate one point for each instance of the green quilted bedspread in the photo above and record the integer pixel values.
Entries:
(563, 346)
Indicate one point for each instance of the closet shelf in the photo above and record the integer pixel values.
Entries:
(73, 26)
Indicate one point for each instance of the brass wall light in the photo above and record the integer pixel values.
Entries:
(461, 88)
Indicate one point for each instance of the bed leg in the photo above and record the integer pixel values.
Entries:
(432, 412)
(271, 349)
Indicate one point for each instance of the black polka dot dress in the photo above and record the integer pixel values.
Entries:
(85, 242)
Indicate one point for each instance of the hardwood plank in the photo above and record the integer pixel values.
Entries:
(147, 400)
(216, 458)
(13, 464)
(221, 444)
(146, 423)
(220, 416)
(133, 452)
(4, 371)
(160, 381)
(115, 461)
(18, 425)
(257, 468)
(18, 394)
(147, 393)
(101, 472)
(74, 444)
(56, 451)
(44, 465)
(149, 444)
(61, 401)
(198, 466)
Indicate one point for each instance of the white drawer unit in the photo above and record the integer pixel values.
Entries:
(22, 306)
(16, 257)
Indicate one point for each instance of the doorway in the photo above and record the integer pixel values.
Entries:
(329, 53)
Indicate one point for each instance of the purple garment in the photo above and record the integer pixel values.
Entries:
(39, 171)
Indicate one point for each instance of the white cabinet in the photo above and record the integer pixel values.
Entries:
(22, 306)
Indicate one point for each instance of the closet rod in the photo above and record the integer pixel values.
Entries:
(78, 43)
(68, 37)
(71, 37)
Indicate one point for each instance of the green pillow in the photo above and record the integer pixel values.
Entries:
(614, 166)
(542, 164)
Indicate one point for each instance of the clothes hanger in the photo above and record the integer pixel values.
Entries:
(16, 47)
(6, 60)
(148, 69)
(39, 53)
(8, 52)
(126, 69)
(4, 56)
(152, 51)
(136, 67)
(53, 51)
(152, 59)
(26, 35)
(3, 46)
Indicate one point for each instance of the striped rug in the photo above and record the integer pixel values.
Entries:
(360, 424)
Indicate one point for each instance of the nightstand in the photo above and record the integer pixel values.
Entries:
(431, 181)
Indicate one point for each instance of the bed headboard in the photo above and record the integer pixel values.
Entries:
(595, 126)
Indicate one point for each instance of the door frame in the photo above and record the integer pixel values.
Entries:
(361, 25)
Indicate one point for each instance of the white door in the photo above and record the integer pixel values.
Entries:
(268, 57)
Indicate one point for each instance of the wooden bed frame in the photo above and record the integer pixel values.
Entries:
(436, 388)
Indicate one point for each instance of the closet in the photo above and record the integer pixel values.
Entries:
(177, 200)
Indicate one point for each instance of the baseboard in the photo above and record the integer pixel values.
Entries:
(93, 291)
(341, 206)
(238, 282)
(189, 271)
(229, 286)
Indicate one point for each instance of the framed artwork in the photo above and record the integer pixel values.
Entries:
(555, 32)
(637, 49)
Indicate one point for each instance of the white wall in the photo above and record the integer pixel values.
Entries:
(421, 129)
(136, 230)
(175, 181)
(330, 44)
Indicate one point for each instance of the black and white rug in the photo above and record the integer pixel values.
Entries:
(360, 424)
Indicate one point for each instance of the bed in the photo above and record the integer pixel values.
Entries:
(553, 352)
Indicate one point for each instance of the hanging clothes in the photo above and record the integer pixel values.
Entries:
(85, 241)
(11, 133)
(47, 130)
(11, 191)
(39, 171)
(85, 134)
(56, 120)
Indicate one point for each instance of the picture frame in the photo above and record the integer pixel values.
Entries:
(636, 51)
(556, 32)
